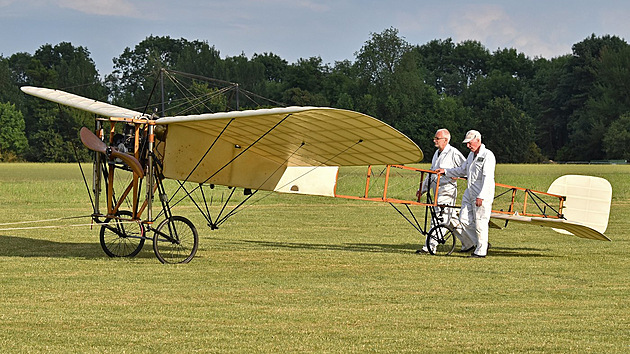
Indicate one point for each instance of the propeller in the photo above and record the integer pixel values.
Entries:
(92, 142)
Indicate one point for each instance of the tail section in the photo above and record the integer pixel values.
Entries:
(587, 200)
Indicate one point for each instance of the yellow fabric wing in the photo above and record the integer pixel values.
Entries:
(254, 147)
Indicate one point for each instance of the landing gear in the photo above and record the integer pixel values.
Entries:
(121, 237)
(175, 240)
(441, 240)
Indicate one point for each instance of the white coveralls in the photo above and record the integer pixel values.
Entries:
(447, 192)
(474, 220)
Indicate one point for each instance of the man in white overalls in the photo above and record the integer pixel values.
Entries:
(478, 197)
(445, 156)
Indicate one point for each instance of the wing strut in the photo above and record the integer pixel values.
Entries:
(207, 216)
(232, 160)
(415, 223)
(181, 183)
(215, 224)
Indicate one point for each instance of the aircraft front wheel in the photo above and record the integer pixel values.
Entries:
(175, 240)
(121, 238)
(441, 240)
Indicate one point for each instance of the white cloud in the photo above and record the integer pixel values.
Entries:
(481, 23)
(496, 29)
(121, 8)
(310, 5)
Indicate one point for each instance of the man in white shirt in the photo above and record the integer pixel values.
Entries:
(479, 195)
(445, 156)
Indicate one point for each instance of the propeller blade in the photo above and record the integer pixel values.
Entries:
(130, 160)
(92, 142)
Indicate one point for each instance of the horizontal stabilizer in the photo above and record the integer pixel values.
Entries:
(571, 227)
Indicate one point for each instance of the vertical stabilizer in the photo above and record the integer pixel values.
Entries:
(588, 200)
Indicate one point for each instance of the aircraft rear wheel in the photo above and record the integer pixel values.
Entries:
(441, 240)
(175, 240)
(121, 238)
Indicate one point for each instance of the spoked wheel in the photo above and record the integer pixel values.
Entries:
(121, 238)
(441, 240)
(175, 240)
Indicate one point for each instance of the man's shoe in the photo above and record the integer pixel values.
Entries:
(422, 251)
(474, 255)
(471, 248)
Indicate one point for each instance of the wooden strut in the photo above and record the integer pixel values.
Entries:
(94, 142)
(423, 172)
(384, 197)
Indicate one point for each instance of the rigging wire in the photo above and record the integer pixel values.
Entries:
(45, 220)
(76, 155)
(293, 180)
(94, 222)
(195, 101)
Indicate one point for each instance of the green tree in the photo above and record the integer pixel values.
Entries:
(451, 67)
(298, 97)
(617, 139)
(511, 62)
(506, 130)
(376, 61)
(608, 103)
(239, 69)
(136, 70)
(547, 104)
(9, 91)
(380, 94)
(60, 66)
(274, 82)
(494, 85)
(341, 85)
(586, 129)
(12, 138)
(434, 62)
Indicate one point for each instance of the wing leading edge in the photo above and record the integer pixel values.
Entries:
(82, 103)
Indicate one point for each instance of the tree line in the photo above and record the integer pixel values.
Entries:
(574, 107)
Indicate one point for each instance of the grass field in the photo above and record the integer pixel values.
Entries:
(308, 274)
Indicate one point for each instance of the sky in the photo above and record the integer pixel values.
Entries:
(332, 29)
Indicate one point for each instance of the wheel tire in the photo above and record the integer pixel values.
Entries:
(125, 239)
(181, 244)
(445, 238)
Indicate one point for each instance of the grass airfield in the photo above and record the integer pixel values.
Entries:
(308, 274)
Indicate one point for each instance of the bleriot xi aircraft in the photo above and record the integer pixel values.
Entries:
(294, 150)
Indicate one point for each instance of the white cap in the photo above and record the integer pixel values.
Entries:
(471, 135)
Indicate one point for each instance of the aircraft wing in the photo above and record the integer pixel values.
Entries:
(573, 228)
(293, 149)
(82, 103)
(254, 148)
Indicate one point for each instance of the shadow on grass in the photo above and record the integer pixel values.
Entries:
(350, 247)
(15, 246)
(518, 252)
(394, 248)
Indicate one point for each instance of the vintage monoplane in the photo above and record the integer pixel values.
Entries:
(294, 150)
